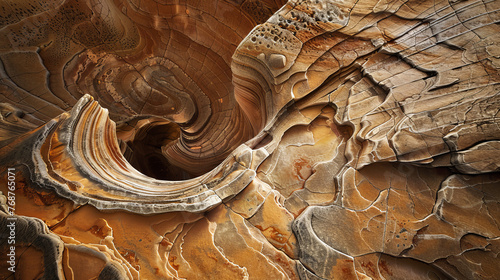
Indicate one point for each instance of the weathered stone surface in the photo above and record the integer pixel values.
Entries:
(250, 139)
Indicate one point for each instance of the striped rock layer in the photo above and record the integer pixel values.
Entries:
(250, 139)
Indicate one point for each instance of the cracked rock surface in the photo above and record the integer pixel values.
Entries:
(250, 139)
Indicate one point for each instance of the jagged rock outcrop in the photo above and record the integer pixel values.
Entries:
(250, 139)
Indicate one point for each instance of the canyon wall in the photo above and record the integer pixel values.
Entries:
(250, 139)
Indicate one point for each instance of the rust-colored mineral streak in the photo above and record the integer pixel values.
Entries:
(249, 139)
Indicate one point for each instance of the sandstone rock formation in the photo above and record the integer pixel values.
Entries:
(251, 139)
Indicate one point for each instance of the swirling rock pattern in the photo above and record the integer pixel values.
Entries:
(251, 139)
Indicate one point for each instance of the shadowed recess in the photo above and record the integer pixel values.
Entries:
(249, 139)
(138, 59)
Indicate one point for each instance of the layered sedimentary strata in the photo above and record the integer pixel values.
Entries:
(250, 139)
(138, 59)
